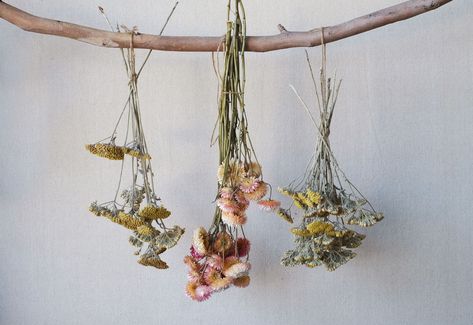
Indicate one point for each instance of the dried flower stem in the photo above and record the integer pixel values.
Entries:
(130, 214)
(219, 257)
(323, 237)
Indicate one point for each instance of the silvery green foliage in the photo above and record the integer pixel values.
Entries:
(133, 196)
(169, 238)
(317, 250)
(144, 238)
(135, 242)
(305, 251)
(103, 210)
(325, 196)
(365, 218)
(335, 258)
(352, 239)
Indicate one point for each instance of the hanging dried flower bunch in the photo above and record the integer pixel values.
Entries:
(328, 201)
(219, 256)
(139, 209)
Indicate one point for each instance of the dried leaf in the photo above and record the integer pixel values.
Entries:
(365, 218)
(169, 238)
(335, 258)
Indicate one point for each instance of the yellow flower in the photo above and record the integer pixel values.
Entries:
(136, 153)
(153, 212)
(153, 261)
(315, 197)
(311, 264)
(299, 204)
(95, 210)
(127, 221)
(145, 230)
(301, 196)
(108, 151)
(285, 191)
(316, 227)
(300, 232)
(285, 215)
(319, 227)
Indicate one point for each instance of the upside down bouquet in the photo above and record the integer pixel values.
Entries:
(219, 256)
(328, 201)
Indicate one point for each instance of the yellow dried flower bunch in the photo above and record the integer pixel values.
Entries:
(139, 209)
(327, 200)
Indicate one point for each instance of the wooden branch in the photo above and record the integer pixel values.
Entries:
(285, 39)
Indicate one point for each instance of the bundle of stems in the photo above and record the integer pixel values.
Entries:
(147, 223)
(219, 256)
(328, 200)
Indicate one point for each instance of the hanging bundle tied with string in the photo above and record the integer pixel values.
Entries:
(328, 201)
(139, 209)
(220, 255)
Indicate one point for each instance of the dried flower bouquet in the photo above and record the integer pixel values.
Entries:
(328, 201)
(139, 209)
(219, 256)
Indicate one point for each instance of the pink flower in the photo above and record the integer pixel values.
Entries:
(249, 185)
(198, 292)
(258, 193)
(193, 276)
(233, 219)
(241, 199)
(215, 261)
(200, 241)
(226, 193)
(195, 254)
(191, 263)
(269, 205)
(243, 247)
(203, 293)
(237, 270)
(228, 205)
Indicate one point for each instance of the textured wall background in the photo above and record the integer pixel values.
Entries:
(402, 132)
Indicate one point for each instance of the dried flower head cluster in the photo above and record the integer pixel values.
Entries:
(140, 209)
(219, 257)
(329, 202)
(216, 262)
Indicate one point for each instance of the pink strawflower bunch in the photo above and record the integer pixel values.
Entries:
(216, 262)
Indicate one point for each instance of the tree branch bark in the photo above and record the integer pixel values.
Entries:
(284, 40)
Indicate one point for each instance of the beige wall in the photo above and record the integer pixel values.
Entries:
(402, 132)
